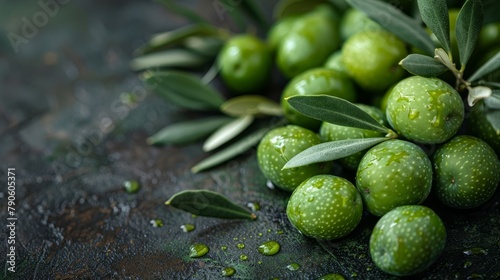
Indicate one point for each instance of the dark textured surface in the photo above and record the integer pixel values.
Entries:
(73, 141)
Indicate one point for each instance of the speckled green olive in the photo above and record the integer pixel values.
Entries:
(325, 207)
(314, 36)
(279, 30)
(332, 132)
(466, 172)
(407, 240)
(354, 21)
(480, 126)
(245, 63)
(372, 59)
(425, 110)
(315, 82)
(393, 173)
(281, 144)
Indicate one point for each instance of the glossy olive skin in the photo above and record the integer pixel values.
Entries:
(372, 59)
(314, 36)
(318, 81)
(245, 63)
(354, 21)
(279, 30)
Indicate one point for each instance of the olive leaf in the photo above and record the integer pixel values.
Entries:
(227, 132)
(251, 105)
(491, 65)
(181, 10)
(477, 93)
(183, 89)
(285, 8)
(493, 116)
(188, 131)
(208, 204)
(335, 110)
(423, 65)
(435, 15)
(333, 150)
(255, 12)
(176, 37)
(208, 46)
(170, 58)
(236, 148)
(493, 101)
(469, 23)
(396, 22)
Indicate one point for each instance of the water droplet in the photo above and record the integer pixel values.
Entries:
(187, 227)
(310, 199)
(293, 266)
(198, 250)
(259, 262)
(243, 257)
(280, 231)
(475, 251)
(254, 206)
(475, 276)
(269, 248)
(361, 256)
(332, 276)
(413, 114)
(131, 186)
(467, 264)
(156, 223)
(240, 245)
(354, 274)
(260, 234)
(228, 271)
(236, 238)
(223, 247)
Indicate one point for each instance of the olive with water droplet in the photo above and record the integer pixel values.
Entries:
(240, 245)
(269, 248)
(228, 271)
(243, 257)
(198, 250)
(187, 227)
(293, 266)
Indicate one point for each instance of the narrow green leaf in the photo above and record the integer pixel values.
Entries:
(255, 12)
(285, 8)
(493, 101)
(231, 151)
(435, 15)
(469, 23)
(227, 132)
(396, 22)
(423, 65)
(491, 65)
(181, 10)
(335, 110)
(251, 105)
(493, 116)
(208, 204)
(208, 46)
(174, 38)
(333, 150)
(490, 84)
(184, 89)
(170, 58)
(188, 131)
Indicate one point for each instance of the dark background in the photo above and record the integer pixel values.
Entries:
(73, 140)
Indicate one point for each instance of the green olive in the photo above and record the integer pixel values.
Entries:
(315, 82)
(245, 63)
(279, 30)
(314, 36)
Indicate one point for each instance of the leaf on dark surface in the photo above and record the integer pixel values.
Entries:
(176, 37)
(396, 22)
(435, 16)
(335, 110)
(178, 58)
(469, 23)
(333, 150)
(251, 105)
(184, 89)
(208, 204)
(236, 148)
(491, 65)
(186, 132)
(423, 65)
(227, 132)
(285, 8)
